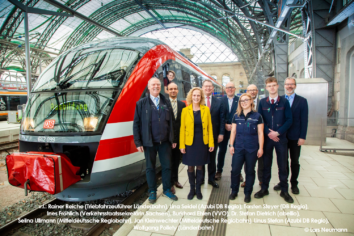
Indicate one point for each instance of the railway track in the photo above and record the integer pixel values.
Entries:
(94, 229)
(8, 145)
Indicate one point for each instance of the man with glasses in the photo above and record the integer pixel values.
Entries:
(253, 91)
(297, 132)
(277, 116)
(229, 104)
(217, 120)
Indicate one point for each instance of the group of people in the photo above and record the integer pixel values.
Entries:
(167, 127)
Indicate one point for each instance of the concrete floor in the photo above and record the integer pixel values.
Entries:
(326, 184)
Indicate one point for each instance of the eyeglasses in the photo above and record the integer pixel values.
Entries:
(252, 90)
(230, 87)
(208, 86)
(289, 84)
(245, 100)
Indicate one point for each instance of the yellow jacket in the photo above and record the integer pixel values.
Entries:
(187, 127)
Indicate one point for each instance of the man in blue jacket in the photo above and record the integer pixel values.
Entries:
(153, 133)
(229, 105)
(277, 116)
(297, 132)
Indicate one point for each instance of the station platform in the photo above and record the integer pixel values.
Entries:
(324, 206)
(9, 132)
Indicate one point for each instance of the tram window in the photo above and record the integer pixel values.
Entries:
(13, 101)
(23, 100)
(186, 82)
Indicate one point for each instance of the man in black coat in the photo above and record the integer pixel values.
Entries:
(217, 120)
(297, 132)
(229, 104)
(177, 107)
(153, 133)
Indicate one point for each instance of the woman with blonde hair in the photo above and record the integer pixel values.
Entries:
(246, 144)
(196, 139)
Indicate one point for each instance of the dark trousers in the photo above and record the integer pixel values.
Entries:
(260, 169)
(294, 150)
(222, 151)
(281, 150)
(250, 159)
(212, 163)
(164, 151)
(175, 161)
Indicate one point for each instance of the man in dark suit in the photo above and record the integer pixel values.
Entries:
(217, 121)
(297, 132)
(153, 133)
(177, 107)
(229, 105)
(253, 91)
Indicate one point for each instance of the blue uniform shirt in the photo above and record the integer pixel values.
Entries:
(247, 131)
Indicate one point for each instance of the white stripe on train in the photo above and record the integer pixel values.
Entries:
(117, 162)
(118, 130)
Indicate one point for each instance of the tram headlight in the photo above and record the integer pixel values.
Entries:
(28, 124)
(90, 123)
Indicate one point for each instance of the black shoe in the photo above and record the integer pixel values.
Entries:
(286, 197)
(247, 198)
(233, 195)
(277, 187)
(295, 190)
(213, 183)
(261, 193)
(241, 178)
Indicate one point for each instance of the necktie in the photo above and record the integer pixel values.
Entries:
(208, 102)
(157, 103)
(272, 101)
(174, 107)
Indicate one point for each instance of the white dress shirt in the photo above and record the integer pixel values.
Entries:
(275, 99)
(255, 102)
(206, 100)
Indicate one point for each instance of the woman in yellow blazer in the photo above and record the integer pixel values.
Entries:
(196, 139)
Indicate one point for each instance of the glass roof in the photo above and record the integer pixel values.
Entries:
(204, 48)
(222, 36)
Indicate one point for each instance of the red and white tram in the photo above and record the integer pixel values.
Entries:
(83, 106)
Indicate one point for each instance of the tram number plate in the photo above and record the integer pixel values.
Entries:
(46, 139)
(48, 124)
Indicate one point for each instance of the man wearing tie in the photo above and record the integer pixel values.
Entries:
(229, 104)
(217, 121)
(177, 107)
(297, 132)
(253, 91)
(277, 116)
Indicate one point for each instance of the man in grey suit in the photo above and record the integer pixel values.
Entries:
(253, 91)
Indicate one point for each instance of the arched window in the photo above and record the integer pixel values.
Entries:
(214, 76)
(225, 79)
